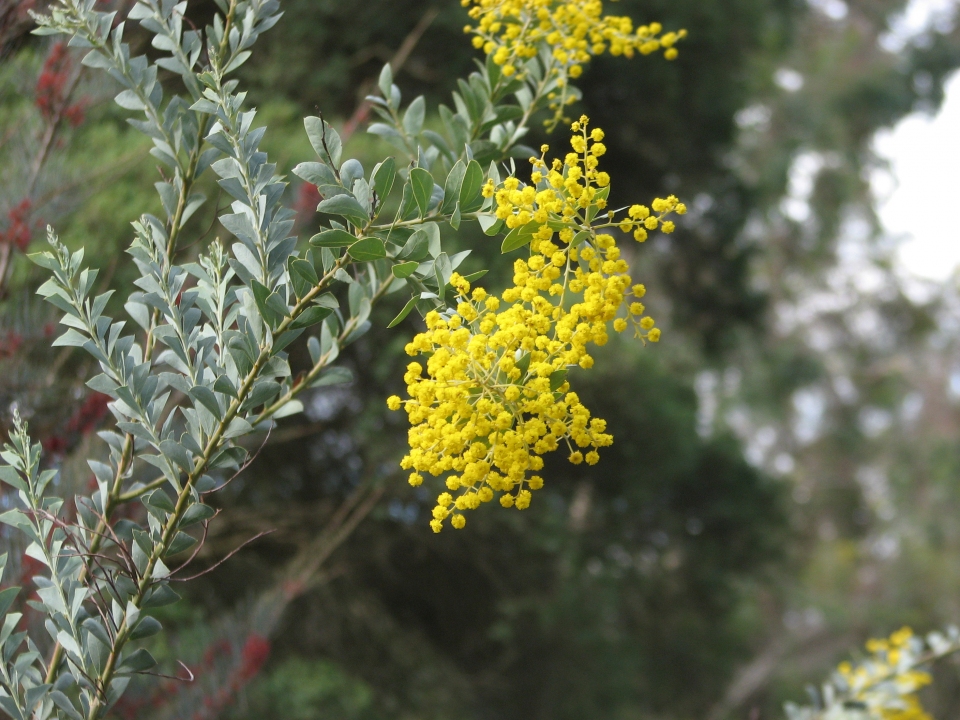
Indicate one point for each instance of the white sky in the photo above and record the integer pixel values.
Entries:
(919, 202)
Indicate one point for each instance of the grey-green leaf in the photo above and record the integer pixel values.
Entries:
(333, 238)
(470, 197)
(346, 206)
(421, 182)
(367, 249)
(411, 304)
(406, 269)
(325, 140)
(137, 661)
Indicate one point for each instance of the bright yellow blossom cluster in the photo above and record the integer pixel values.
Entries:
(886, 684)
(513, 31)
(495, 400)
(565, 202)
(495, 397)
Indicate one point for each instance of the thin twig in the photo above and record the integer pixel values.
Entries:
(200, 543)
(224, 559)
(245, 465)
(171, 677)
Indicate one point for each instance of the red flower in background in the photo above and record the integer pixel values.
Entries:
(19, 230)
(52, 81)
(76, 113)
(90, 413)
(255, 652)
(51, 91)
(9, 344)
(307, 200)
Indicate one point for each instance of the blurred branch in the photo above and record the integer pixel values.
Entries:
(749, 679)
(396, 63)
(15, 21)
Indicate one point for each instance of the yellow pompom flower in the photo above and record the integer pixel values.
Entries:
(572, 32)
(492, 397)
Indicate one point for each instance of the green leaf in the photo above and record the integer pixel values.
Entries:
(433, 233)
(557, 378)
(6, 599)
(405, 269)
(137, 661)
(263, 391)
(311, 316)
(229, 457)
(523, 364)
(417, 246)
(159, 499)
(347, 207)
(128, 100)
(408, 205)
(324, 138)
(208, 399)
(34, 695)
(147, 626)
(45, 260)
(181, 541)
(15, 518)
(518, 237)
(12, 477)
(367, 249)
(316, 173)
(333, 376)
(95, 628)
(238, 426)
(456, 218)
(443, 269)
(473, 277)
(413, 117)
(160, 595)
(411, 304)
(225, 386)
(71, 338)
(384, 175)
(64, 703)
(301, 286)
(198, 512)
(176, 453)
(386, 80)
(261, 295)
(333, 238)
(451, 187)
(470, 196)
(327, 300)
(421, 182)
(306, 271)
(290, 408)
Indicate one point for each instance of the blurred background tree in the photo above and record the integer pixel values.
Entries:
(784, 480)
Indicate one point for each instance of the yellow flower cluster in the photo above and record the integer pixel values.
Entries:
(495, 397)
(886, 684)
(564, 202)
(513, 31)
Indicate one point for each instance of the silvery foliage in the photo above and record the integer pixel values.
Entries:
(882, 691)
(204, 361)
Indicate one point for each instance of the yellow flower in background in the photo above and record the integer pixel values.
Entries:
(572, 32)
(493, 397)
(886, 684)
